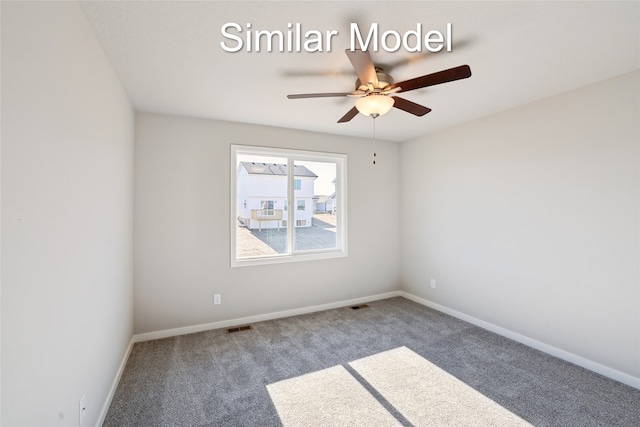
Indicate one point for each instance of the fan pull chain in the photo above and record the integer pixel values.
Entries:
(374, 138)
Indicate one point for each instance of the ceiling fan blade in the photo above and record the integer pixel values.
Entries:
(444, 76)
(362, 63)
(409, 106)
(350, 115)
(317, 95)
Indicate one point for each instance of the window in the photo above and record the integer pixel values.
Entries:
(265, 183)
(267, 208)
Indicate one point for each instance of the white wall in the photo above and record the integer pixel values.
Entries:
(182, 238)
(67, 200)
(529, 220)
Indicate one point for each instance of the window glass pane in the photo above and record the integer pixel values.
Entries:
(261, 195)
(287, 205)
(315, 213)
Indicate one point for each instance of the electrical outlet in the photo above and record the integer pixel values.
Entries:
(216, 299)
(433, 283)
(82, 406)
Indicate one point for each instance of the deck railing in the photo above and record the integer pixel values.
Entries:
(266, 215)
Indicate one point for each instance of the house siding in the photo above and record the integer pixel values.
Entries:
(254, 188)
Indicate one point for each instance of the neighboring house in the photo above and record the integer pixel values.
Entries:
(320, 203)
(262, 195)
(326, 203)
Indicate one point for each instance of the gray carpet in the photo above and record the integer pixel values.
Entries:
(217, 379)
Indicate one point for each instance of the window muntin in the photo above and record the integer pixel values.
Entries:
(316, 184)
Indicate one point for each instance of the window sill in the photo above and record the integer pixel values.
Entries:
(280, 259)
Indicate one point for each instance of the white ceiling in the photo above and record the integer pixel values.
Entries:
(169, 58)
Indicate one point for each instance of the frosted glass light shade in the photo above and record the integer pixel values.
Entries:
(374, 104)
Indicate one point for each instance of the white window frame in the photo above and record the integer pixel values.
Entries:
(292, 155)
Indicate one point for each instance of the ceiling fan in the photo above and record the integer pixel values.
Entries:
(376, 90)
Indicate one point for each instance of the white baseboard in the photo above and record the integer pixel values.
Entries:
(114, 385)
(259, 318)
(546, 348)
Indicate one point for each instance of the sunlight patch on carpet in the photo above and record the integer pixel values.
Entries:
(330, 397)
(426, 395)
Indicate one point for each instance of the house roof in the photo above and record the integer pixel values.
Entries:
(257, 168)
(325, 198)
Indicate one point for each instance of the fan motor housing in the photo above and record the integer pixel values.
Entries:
(384, 80)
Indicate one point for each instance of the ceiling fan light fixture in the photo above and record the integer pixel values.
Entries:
(374, 105)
